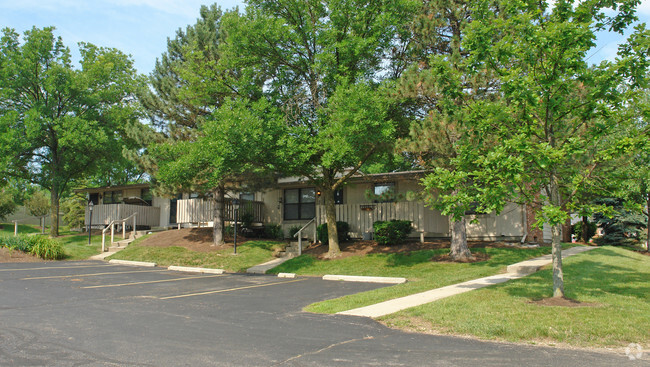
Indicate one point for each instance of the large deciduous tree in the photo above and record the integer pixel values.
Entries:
(323, 63)
(59, 123)
(561, 114)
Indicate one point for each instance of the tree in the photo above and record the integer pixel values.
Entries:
(58, 123)
(323, 63)
(7, 204)
(38, 204)
(560, 115)
(444, 136)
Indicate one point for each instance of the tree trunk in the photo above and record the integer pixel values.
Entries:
(54, 201)
(217, 229)
(585, 229)
(566, 231)
(330, 218)
(647, 226)
(556, 231)
(558, 275)
(459, 250)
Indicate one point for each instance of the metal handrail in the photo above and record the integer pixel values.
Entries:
(112, 227)
(299, 234)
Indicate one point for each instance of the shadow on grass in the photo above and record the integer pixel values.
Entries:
(595, 275)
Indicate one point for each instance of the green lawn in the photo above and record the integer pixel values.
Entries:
(249, 253)
(416, 266)
(615, 279)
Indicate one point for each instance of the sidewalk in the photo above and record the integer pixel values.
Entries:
(514, 271)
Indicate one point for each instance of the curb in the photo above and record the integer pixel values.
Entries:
(195, 270)
(286, 275)
(366, 279)
(132, 263)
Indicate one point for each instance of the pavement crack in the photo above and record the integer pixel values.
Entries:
(323, 349)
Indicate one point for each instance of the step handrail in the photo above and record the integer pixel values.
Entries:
(112, 224)
(299, 234)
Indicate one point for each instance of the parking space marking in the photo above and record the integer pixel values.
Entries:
(152, 281)
(231, 289)
(96, 274)
(59, 267)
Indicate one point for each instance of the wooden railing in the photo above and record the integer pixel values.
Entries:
(200, 210)
(103, 214)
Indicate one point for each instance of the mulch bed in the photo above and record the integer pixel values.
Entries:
(195, 239)
(15, 256)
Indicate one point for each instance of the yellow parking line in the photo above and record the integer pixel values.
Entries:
(152, 281)
(95, 274)
(231, 289)
(59, 267)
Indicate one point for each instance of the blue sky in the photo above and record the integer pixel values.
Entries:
(141, 27)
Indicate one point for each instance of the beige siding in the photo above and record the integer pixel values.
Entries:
(507, 225)
(103, 214)
(200, 210)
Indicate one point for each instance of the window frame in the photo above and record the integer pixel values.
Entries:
(392, 187)
(300, 205)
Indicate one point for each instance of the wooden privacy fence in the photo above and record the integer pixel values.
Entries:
(103, 214)
(360, 217)
(200, 210)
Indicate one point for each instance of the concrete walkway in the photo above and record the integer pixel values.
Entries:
(514, 271)
(262, 268)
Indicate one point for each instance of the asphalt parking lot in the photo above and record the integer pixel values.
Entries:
(97, 314)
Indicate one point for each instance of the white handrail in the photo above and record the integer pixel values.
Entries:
(299, 234)
(112, 227)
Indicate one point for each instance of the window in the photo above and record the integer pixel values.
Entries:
(299, 204)
(147, 196)
(112, 197)
(384, 192)
(94, 198)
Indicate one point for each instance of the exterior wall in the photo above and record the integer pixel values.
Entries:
(164, 205)
(506, 226)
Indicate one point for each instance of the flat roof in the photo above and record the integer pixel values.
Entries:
(113, 188)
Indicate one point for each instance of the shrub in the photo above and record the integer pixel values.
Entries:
(341, 227)
(591, 231)
(45, 248)
(74, 212)
(38, 204)
(273, 231)
(246, 218)
(293, 230)
(7, 204)
(391, 232)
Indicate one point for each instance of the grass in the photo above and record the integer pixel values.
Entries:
(416, 267)
(249, 253)
(614, 279)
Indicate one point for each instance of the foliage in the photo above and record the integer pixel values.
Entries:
(293, 230)
(591, 230)
(74, 211)
(273, 231)
(38, 204)
(342, 229)
(57, 123)
(7, 204)
(621, 228)
(246, 218)
(43, 247)
(392, 232)
(326, 64)
(560, 116)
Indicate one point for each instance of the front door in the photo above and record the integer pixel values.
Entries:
(172, 209)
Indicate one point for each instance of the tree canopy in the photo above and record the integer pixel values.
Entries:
(58, 123)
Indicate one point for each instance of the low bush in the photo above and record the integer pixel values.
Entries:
(342, 228)
(293, 230)
(591, 231)
(392, 232)
(273, 231)
(43, 247)
(46, 248)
